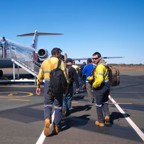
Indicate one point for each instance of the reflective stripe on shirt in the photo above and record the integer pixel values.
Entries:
(48, 105)
(56, 107)
(98, 105)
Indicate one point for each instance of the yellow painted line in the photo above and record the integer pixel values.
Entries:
(3, 97)
(19, 100)
(20, 86)
(17, 94)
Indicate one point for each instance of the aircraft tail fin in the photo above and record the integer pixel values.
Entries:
(35, 36)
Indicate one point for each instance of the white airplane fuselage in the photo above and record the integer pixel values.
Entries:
(12, 50)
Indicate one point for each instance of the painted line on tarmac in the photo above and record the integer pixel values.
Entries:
(15, 94)
(24, 100)
(138, 131)
(135, 92)
(133, 125)
(121, 103)
(42, 136)
(5, 86)
(20, 86)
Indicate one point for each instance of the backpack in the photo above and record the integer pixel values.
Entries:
(70, 75)
(114, 75)
(58, 82)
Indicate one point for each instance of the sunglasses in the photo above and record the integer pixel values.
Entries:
(94, 58)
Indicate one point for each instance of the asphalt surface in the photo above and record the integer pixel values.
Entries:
(21, 116)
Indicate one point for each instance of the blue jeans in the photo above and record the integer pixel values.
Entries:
(67, 100)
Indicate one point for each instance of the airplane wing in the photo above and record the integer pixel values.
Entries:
(79, 59)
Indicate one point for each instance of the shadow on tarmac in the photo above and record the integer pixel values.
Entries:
(117, 115)
(78, 121)
(25, 114)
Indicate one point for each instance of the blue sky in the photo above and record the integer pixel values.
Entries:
(112, 27)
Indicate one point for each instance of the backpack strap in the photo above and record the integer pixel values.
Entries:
(59, 63)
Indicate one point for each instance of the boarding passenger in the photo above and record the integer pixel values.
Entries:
(101, 88)
(73, 77)
(80, 73)
(50, 100)
(76, 67)
(62, 58)
(81, 68)
(86, 72)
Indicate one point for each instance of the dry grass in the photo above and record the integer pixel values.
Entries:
(122, 68)
(132, 68)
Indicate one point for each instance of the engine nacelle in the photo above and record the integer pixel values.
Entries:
(42, 54)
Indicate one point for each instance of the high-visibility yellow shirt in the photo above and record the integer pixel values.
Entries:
(46, 67)
(76, 67)
(100, 75)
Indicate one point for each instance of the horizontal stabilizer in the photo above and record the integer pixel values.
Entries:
(40, 34)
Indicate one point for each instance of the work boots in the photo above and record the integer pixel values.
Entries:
(99, 123)
(56, 129)
(47, 127)
(107, 120)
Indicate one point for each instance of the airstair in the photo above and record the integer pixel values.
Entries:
(30, 66)
(16, 60)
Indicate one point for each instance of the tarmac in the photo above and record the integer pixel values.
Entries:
(21, 116)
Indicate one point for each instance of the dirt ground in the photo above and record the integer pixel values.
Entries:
(132, 68)
(122, 68)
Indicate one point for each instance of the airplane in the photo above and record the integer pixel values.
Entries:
(12, 51)
(27, 57)
(79, 59)
(85, 58)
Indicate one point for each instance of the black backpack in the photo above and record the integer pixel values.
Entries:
(58, 82)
